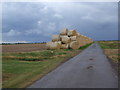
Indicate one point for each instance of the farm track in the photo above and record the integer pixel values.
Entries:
(23, 48)
(89, 69)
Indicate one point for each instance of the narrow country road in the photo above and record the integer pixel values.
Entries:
(89, 69)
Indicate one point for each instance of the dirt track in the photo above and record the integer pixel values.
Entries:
(89, 69)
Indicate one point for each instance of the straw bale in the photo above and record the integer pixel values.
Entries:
(55, 38)
(53, 45)
(74, 45)
(78, 34)
(64, 46)
(73, 38)
(65, 39)
(64, 31)
(72, 33)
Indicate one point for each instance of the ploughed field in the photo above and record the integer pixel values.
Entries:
(23, 47)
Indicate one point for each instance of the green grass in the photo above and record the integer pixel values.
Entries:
(21, 74)
(32, 56)
(109, 44)
(104, 46)
(21, 69)
(83, 47)
(68, 49)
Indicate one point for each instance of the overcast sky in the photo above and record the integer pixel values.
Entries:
(36, 22)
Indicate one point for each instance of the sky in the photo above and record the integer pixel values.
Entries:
(38, 21)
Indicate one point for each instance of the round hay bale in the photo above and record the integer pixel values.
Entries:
(82, 37)
(65, 39)
(62, 36)
(72, 33)
(73, 38)
(80, 42)
(77, 34)
(55, 38)
(64, 46)
(48, 45)
(59, 42)
(64, 31)
(53, 45)
(74, 45)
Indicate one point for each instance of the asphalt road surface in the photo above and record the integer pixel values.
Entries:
(89, 69)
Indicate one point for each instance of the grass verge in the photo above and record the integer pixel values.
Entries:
(85, 46)
(111, 50)
(22, 69)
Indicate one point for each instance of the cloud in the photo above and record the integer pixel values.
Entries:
(33, 31)
(38, 21)
(14, 42)
(44, 10)
(56, 15)
(13, 33)
(87, 11)
(22, 41)
(87, 17)
(94, 18)
(51, 26)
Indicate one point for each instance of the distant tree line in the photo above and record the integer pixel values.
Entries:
(24, 43)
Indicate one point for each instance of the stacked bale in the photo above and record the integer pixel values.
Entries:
(74, 45)
(68, 39)
(64, 32)
(72, 33)
(65, 39)
(64, 46)
(55, 38)
(54, 45)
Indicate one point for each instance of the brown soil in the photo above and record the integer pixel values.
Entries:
(23, 47)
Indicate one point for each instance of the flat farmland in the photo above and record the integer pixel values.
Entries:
(23, 47)
(20, 69)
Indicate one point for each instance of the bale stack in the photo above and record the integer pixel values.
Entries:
(68, 39)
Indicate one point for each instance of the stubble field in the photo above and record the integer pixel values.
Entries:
(23, 47)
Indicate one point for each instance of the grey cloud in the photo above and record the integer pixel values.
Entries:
(38, 21)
